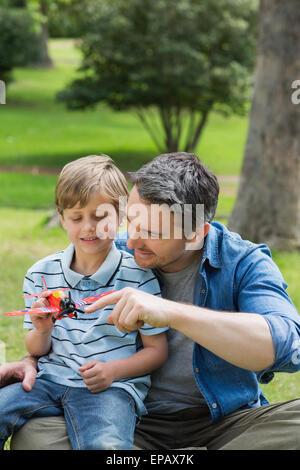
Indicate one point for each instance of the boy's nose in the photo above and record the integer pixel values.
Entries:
(90, 225)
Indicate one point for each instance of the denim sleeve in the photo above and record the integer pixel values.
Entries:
(261, 289)
(121, 241)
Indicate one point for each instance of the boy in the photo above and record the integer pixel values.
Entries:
(88, 370)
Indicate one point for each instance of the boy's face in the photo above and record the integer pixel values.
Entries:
(82, 225)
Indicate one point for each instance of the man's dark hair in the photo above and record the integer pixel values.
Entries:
(178, 178)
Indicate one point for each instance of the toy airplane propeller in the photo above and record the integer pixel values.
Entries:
(60, 303)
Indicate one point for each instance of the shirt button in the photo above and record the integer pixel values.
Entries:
(203, 291)
(214, 405)
(197, 370)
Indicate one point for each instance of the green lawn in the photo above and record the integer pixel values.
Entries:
(22, 190)
(36, 131)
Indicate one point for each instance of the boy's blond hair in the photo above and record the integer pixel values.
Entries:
(79, 178)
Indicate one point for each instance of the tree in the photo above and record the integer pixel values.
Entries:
(39, 9)
(44, 10)
(18, 41)
(171, 62)
(267, 208)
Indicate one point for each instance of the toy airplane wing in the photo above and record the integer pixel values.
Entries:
(92, 299)
(32, 311)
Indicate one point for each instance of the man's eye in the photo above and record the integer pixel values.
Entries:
(76, 220)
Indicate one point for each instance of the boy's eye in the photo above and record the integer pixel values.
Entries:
(78, 219)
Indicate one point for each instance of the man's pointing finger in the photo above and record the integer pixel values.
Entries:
(110, 299)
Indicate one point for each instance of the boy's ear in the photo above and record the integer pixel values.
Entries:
(62, 220)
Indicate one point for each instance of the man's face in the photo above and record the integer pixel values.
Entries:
(156, 236)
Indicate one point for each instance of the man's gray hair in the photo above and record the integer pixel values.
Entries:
(178, 179)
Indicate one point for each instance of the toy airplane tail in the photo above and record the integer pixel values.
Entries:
(40, 293)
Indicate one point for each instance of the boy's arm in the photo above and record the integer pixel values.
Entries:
(38, 340)
(153, 356)
(99, 375)
(38, 343)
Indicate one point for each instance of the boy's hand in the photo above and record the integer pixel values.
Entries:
(97, 375)
(43, 322)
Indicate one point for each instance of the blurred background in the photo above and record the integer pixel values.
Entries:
(135, 79)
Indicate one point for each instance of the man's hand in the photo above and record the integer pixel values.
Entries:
(24, 371)
(133, 308)
(97, 375)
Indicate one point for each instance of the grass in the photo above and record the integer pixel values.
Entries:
(21, 190)
(37, 131)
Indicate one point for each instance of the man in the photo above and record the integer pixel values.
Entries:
(232, 324)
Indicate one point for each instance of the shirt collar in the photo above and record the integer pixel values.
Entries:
(104, 274)
(211, 248)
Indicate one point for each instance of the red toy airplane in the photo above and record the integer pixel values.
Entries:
(60, 303)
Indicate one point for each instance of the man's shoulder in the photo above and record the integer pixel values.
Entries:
(232, 247)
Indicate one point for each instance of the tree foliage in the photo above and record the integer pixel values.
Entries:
(18, 40)
(172, 62)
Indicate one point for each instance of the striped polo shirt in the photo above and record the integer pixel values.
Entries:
(90, 337)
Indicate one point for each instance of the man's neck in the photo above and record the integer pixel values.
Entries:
(182, 263)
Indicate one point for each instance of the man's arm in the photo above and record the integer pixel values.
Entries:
(243, 339)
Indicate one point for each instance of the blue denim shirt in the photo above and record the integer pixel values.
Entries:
(238, 275)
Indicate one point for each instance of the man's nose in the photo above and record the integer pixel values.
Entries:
(134, 241)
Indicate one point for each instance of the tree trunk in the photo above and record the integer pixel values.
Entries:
(267, 209)
(45, 60)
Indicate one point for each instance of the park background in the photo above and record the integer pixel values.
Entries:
(39, 134)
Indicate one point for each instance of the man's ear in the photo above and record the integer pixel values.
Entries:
(206, 228)
(197, 242)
